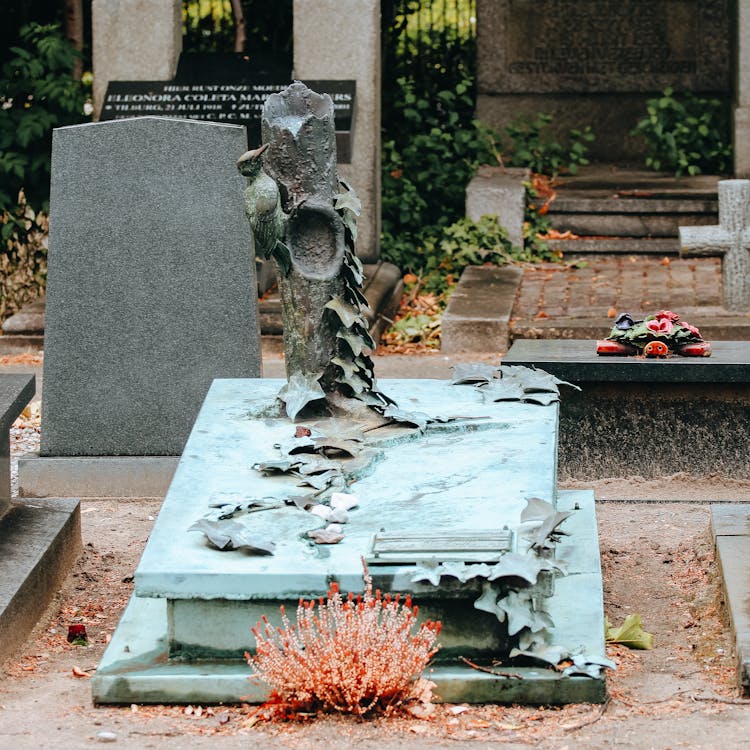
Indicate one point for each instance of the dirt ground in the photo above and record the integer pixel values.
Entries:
(657, 559)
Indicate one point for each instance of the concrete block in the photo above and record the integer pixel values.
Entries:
(95, 476)
(151, 290)
(478, 313)
(39, 542)
(730, 525)
(134, 40)
(499, 191)
(349, 49)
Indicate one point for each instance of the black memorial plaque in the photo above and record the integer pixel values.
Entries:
(230, 103)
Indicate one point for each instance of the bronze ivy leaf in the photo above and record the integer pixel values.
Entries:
(473, 373)
(299, 391)
(231, 535)
(348, 314)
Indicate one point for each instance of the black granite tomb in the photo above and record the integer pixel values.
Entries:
(648, 417)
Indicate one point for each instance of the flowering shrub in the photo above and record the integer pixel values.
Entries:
(360, 655)
(664, 326)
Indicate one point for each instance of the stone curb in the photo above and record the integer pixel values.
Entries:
(730, 526)
(39, 542)
(478, 315)
(95, 476)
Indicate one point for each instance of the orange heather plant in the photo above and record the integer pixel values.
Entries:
(361, 655)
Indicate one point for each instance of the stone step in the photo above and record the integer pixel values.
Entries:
(624, 218)
(618, 245)
(608, 201)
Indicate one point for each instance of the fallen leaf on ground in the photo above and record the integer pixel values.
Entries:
(630, 633)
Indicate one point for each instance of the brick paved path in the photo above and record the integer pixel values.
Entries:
(626, 283)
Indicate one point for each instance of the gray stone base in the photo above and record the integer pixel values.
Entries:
(95, 476)
(730, 525)
(478, 312)
(136, 669)
(39, 542)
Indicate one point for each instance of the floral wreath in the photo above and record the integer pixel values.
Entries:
(657, 335)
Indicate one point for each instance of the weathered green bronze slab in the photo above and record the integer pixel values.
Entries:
(473, 474)
(459, 480)
(136, 667)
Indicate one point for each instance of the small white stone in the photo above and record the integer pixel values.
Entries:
(106, 737)
(335, 528)
(321, 510)
(343, 501)
(338, 515)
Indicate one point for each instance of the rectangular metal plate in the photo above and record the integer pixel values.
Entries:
(478, 546)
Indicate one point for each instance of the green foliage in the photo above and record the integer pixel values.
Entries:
(23, 256)
(535, 147)
(686, 134)
(426, 167)
(472, 243)
(37, 94)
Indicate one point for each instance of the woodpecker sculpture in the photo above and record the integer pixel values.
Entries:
(263, 209)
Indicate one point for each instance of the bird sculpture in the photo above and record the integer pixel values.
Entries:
(263, 209)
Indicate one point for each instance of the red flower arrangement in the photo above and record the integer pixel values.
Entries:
(673, 336)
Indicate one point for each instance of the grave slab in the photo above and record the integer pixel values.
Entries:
(39, 542)
(617, 424)
(151, 287)
(730, 525)
(183, 634)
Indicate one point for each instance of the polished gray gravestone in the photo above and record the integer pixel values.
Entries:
(151, 289)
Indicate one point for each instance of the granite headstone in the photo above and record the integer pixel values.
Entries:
(151, 288)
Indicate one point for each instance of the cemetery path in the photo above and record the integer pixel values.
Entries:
(566, 301)
(657, 561)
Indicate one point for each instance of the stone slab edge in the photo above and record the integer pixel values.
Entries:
(134, 668)
(730, 526)
(478, 314)
(39, 542)
(95, 476)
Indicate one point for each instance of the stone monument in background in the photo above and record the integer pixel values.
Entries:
(592, 63)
